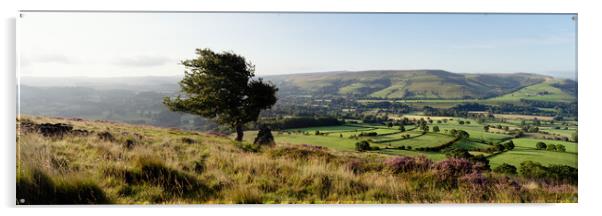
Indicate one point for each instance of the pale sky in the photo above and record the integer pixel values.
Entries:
(145, 44)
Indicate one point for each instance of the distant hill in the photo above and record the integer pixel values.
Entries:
(405, 84)
(378, 84)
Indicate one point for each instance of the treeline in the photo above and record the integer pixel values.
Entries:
(562, 109)
(300, 122)
(461, 110)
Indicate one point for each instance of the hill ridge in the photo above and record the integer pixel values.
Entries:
(406, 84)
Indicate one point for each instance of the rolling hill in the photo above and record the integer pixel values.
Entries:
(406, 84)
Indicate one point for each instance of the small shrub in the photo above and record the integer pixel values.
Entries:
(560, 148)
(562, 173)
(408, 164)
(509, 145)
(505, 169)
(532, 169)
(541, 146)
(356, 166)
(362, 146)
(500, 147)
(187, 140)
(106, 136)
(199, 165)
(556, 173)
(551, 147)
(453, 168)
(400, 164)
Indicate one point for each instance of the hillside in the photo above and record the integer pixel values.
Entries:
(553, 90)
(105, 162)
(406, 84)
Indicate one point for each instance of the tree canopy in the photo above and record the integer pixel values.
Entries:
(220, 86)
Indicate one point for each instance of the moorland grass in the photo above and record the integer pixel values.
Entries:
(163, 168)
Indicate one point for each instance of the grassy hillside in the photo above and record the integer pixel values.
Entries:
(144, 164)
(406, 84)
(550, 90)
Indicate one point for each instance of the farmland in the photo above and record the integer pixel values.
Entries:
(390, 140)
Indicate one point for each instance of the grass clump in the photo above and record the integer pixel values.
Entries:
(174, 182)
(34, 187)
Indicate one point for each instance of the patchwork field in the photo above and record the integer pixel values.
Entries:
(390, 141)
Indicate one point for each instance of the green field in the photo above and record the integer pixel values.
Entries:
(530, 144)
(427, 140)
(470, 145)
(525, 150)
(476, 132)
(391, 138)
(542, 92)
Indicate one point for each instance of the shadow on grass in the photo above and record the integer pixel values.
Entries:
(175, 183)
(37, 188)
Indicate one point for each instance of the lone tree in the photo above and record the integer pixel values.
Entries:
(219, 86)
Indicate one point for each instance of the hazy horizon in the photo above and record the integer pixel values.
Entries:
(152, 44)
(556, 74)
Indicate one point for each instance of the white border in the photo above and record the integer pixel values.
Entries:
(589, 86)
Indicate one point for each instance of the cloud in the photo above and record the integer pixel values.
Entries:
(142, 61)
(47, 58)
(54, 58)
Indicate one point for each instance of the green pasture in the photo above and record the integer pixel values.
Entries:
(542, 92)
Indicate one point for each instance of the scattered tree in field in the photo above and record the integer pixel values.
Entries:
(551, 147)
(486, 128)
(500, 147)
(459, 133)
(461, 122)
(560, 148)
(509, 145)
(362, 145)
(390, 124)
(505, 169)
(541, 145)
(402, 128)
(220, 86)
(467, 122)
(436, 129)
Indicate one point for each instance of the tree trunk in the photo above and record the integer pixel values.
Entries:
(239, 132)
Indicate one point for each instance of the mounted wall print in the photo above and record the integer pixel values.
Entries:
(296, 108)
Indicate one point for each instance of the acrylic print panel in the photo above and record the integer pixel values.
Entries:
(228, 108)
